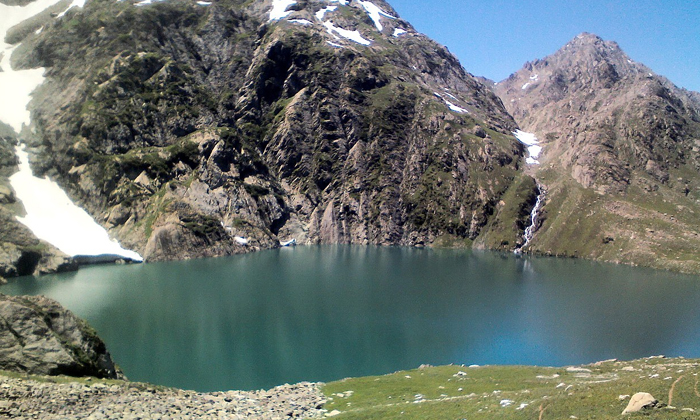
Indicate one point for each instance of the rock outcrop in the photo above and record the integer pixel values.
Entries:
(39, 336)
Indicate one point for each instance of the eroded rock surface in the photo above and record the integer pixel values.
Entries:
(39, 336)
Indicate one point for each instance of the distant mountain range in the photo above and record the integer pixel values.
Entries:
(197, 129)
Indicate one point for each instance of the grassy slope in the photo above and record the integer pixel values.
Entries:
(658, 228)
(587, 392)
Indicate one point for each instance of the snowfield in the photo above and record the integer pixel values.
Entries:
(533, 147)
(53, 217)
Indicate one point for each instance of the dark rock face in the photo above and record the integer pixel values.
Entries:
(39, 336)
(182, 127)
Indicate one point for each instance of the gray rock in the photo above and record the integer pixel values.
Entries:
(640, 401)
(39, 336)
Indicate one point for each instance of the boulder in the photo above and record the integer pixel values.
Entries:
(39, 336)
(640, 401)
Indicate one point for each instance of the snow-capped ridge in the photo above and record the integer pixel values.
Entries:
(280, 11)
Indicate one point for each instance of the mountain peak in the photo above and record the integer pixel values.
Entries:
(586, 38)
(593, 44)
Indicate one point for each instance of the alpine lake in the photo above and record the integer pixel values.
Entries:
(322, 313)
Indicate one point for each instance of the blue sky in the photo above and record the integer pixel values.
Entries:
(494, 38)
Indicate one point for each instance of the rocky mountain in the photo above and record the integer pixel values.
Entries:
(621, 155)
(39, 336)
(193, 129)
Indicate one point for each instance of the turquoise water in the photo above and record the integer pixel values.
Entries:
(325, 313)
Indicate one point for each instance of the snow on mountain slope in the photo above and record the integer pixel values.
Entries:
(50, 213)
(53, 217)
(280, 11)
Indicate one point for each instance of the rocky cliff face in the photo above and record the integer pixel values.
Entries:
(621, 155)
(39, 336)
(193, 130)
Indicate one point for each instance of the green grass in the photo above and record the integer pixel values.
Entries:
(506, 228)
(519, 392)
(658, 228)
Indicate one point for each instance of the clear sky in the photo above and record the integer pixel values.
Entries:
(494, 38)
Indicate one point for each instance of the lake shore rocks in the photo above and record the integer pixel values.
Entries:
(39, 336)
(44, 398)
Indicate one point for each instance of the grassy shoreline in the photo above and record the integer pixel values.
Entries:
(600, 390)
(521, 392)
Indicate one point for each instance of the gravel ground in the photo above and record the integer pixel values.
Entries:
(93, 399)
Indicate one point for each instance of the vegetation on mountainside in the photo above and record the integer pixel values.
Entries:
(660, 228)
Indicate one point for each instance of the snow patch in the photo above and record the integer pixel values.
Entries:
(17, 85)
(451, 95)
(147, 2)
(53, 217)
(525, 85)
(12, 15)
(375, 13)
(398, 32)
(506, 403)
(279, 9)
(50, 213)
(452, 106)
(333, 44)
(301, 21)
(533, 147)
(351, 35)
(204, 3)
(76, 3)
(321, 13)
(455, 108)
(534, 77)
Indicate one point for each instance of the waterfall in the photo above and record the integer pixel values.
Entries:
(534, 216)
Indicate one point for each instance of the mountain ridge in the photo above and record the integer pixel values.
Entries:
(612, 128)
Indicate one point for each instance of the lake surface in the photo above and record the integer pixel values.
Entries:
(321, 313)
